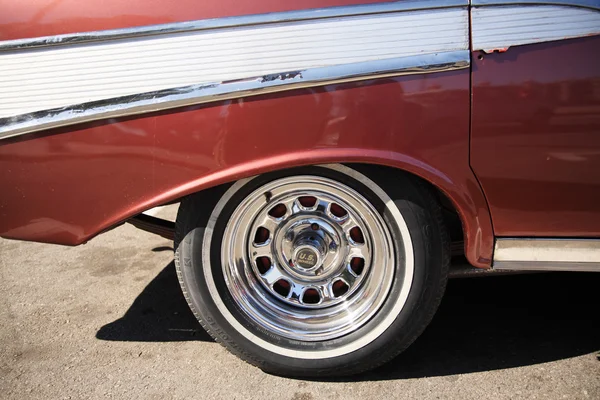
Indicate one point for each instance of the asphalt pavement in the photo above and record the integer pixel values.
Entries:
(107, 320)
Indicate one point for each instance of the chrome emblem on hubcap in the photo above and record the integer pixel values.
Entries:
(306, 257)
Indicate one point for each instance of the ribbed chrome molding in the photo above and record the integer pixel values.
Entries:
(69, 79)
(205, 93)
(498, 25)
(547, 254)
(593, 4)
(231, 22)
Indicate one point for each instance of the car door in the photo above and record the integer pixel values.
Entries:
(535, 138)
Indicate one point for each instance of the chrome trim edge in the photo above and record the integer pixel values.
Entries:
(546, 266)
(593, 4)
(547, 254)
(205, 93)
(229, 22)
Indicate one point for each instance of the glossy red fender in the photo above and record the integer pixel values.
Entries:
(70, 184)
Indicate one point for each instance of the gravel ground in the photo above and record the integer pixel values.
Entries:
(107, 320)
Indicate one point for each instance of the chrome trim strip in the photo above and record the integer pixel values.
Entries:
(502, 27)
(199, 94)
(50, 78)
(229, 22)
(547, 254)
(593, 4)
(546, 266)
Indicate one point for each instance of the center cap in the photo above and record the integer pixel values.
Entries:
(306, 257)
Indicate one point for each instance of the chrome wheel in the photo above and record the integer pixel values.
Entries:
(307, 258)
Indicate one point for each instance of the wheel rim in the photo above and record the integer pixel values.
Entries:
(307, 258)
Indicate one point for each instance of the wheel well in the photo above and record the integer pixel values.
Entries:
(451, 216)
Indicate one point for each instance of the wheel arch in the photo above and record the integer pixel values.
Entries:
(465, 196)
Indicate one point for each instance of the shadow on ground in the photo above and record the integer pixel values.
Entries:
(159, 314)
(483, 323)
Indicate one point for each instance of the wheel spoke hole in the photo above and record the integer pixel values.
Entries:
(261, 236)
(278, 211)
(311, 296)
(263, 264)
(307, 201)
(339, 288)
(338, 211)
(356, 235)
(357, 265)
(282, 287)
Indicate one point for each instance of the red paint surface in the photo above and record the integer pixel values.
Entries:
(69, 185)
(33, 18)
(536, 138)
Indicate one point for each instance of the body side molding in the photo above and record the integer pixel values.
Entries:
(198, 94)
(50, 86)
(114, 83)
(231, 22)
(547, 254)
(499, 25)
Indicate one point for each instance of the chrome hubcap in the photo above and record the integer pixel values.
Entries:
(309, 262)
(308, 258)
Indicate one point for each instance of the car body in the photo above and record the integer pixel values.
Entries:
(110, 109)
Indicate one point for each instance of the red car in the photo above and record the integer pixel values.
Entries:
(326, 153)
